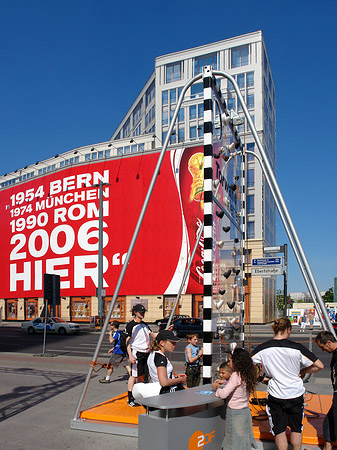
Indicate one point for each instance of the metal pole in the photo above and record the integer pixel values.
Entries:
(54, 294)
(285, 293)
(187, 270)
(134, 239)
(44, 328)
(274, 186)
(100, 255)
(290, 237)
(201, 230)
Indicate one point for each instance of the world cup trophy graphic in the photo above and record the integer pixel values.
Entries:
(196, 169)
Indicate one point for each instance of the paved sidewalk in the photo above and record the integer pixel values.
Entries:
(39, 395)
(38, 398)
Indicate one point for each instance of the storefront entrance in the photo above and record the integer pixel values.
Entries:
(118, 312)
(80, 309)
(168, 306)
(31, 308)
(198, 306)
(11, 309)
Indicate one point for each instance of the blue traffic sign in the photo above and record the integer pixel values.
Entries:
(266, 261)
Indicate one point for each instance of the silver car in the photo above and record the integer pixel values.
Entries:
(53, 325)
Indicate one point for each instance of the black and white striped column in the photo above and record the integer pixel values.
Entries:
(243, 242)
(208, 225)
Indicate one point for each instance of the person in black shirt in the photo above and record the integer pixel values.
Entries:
(327, 343)
(160, 367)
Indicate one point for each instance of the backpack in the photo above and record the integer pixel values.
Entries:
(122, 341)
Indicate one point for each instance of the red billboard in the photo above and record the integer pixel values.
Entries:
(50, 225)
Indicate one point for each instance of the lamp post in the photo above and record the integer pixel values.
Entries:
(285, 280)
(100, 291)
(282, 249)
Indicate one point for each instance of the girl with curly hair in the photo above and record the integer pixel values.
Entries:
(238, 425)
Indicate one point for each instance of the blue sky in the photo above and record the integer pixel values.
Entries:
(71, 69)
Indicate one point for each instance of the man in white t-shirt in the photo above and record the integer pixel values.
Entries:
(138, 347)
(284, 363)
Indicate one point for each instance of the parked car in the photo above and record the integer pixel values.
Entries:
(184, 326)
(53, 325)
(166, 319)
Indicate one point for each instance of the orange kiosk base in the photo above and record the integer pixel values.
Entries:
(316, 407)
(114, 416)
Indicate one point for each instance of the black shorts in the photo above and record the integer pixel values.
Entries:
(141, 368)
(285, 413)
(330, 422)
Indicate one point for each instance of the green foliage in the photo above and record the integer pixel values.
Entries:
(328, 296)
(280, 300)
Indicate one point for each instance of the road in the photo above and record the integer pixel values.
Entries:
(38, 395)
(13, 339)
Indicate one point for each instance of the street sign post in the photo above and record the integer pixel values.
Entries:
(281, 249)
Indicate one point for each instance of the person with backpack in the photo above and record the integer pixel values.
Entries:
(118, 352)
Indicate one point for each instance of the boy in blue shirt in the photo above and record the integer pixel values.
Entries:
(192, 357)
(117, 355)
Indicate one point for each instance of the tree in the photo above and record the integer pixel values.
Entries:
(328, 296)
(280, 300)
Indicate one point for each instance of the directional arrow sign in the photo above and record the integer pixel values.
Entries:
(266, 271)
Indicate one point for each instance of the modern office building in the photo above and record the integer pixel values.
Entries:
(144, 128)
(246, 59)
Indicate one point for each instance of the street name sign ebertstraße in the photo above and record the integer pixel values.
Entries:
(266, 271)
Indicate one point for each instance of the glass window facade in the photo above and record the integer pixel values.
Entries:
(241, 80)
(205, 60)
(193, 112)
(150, 94)
(250, 177)
(165, 117)
(173, 72)
(231, 103)
(239, 56)
(196, 90)
(250, 101)
(193, 133)
(126, 129)
(250, 79)
(164, 97)
(181, 115)
(250, 204)
(173, 95)
(181, 134)
(137, 113)
(230, 86)
(250, 230)
(251, 147)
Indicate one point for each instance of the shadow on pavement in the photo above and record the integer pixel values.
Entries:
(26, 396)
